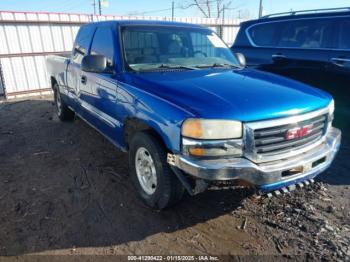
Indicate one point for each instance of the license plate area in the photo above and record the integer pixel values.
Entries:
(301, 169)
(293, 171)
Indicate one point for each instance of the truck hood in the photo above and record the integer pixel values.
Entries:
(245, 95)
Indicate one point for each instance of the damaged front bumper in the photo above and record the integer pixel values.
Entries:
(266, 176)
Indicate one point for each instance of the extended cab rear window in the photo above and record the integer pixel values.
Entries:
(82, 43)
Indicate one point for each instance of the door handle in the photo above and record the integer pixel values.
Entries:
(339, 61)
(278, 57)
(83, 80)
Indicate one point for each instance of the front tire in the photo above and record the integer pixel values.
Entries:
(154, 181)
(62, 110)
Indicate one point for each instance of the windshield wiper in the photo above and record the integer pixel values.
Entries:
(218, 65)
(165, 66)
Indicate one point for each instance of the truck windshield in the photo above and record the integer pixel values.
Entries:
(148, 48)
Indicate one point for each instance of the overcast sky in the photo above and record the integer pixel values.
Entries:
(163, 7)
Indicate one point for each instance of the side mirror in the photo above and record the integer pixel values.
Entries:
(241, 59)
(94, 63)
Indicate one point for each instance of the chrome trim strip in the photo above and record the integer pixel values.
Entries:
(335, 60)
(286, 120)
(112, 122)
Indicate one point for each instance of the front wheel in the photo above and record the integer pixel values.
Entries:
(62, 110)
(155, 183)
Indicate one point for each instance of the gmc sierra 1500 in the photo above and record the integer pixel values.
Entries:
(188, 111)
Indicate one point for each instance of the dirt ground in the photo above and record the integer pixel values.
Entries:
(64, 189)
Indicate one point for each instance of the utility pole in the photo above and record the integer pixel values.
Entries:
(223, 21)
(223, 13)
(172, 11)
(260, 8)
(94, 4)
(99, 7)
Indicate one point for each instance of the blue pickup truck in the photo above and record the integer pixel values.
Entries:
(188, 112)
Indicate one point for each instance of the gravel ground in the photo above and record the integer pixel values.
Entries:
(65, 190)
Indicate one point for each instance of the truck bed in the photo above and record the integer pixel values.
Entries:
(57, 66)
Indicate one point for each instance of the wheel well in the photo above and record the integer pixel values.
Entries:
(53, 82)
(134, 125)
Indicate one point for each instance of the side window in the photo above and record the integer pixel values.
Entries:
(344, 36)
(102, 44)
(264, 34)
(81, 44)
(308, 34)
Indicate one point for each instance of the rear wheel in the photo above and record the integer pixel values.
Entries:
(62, 110)
(155, 183)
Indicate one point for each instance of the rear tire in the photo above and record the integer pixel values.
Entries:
(62, 110)
(153, 179)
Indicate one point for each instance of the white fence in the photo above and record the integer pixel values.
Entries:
(27, 38)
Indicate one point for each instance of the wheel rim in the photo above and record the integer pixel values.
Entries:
(58, 103)
(146, 170)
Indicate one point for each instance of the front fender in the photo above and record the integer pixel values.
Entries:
(161, 115)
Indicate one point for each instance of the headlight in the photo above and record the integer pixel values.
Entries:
(211, 129)
(212, 138)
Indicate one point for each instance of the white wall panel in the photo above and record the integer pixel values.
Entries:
(58, 39)
(47, 39)
(9, 75)
(7, 16)
(24, 37)
(3, 43)
(43, 76)
(67, 38)
(12, 37)
(24, 73)
(32, 16)
(36, 39)
(229, 34)
(29, 64)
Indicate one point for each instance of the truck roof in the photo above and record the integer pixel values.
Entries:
(144, 22)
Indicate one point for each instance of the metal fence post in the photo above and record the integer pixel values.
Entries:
(221, 29)
(2, 84)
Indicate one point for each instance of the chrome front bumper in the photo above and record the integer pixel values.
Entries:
(267, 176)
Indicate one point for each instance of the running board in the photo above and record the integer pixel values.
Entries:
(290, 188)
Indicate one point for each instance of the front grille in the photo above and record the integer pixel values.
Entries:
(273, 140)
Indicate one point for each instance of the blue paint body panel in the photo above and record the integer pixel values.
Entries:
(245, 95)
(163, 100)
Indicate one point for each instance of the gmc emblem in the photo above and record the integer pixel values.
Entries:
(298, 132)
